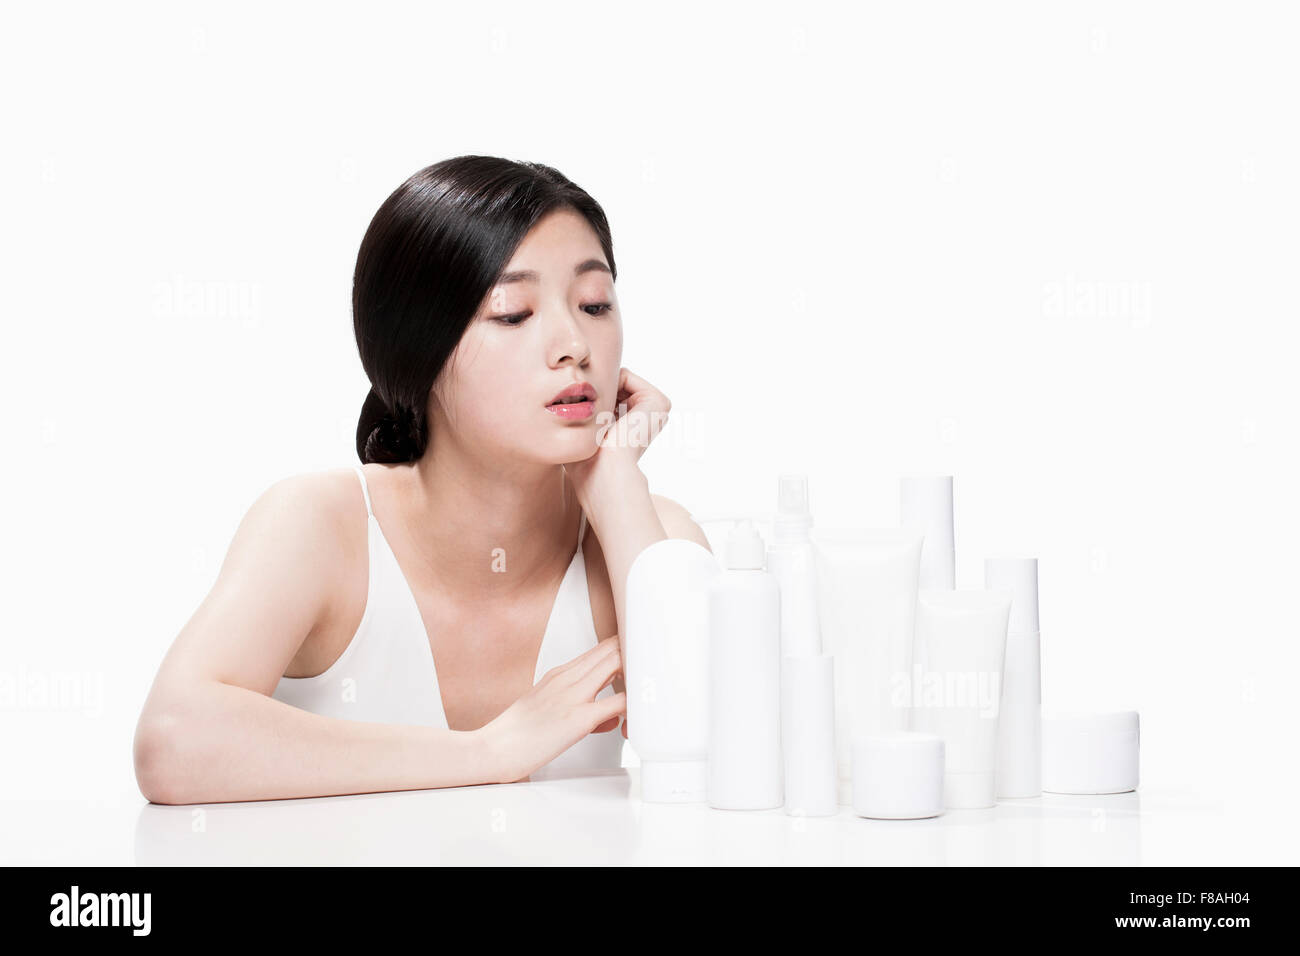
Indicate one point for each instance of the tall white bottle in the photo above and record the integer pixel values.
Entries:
(792, 561)
(745, 679)
(1020, 722)
(807, 676)
(925, 505)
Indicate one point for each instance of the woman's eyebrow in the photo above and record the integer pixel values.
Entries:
(528, 275)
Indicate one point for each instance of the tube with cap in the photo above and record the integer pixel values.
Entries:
(961, 639)
(867, 583)
(667, 668)
(925, 505)
(808, 735)
(792, 562)
(745, 679)
(1020, 723)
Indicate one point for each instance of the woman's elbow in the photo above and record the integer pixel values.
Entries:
(157, 759)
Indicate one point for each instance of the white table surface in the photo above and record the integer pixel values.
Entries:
(599, 818)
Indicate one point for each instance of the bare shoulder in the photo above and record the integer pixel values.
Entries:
(677, 520)
(289, 573)
(333, 494)
(314, 521)
(329, 503)
(333, 501)
(326, 512)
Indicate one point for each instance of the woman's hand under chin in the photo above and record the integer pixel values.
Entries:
(622, 436)
(612, 489)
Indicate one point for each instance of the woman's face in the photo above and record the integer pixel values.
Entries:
(552, 322)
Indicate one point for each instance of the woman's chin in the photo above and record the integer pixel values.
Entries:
(576, 451)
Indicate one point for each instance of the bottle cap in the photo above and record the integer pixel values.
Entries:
(745, 548)
(792, 519)
(925, 505)
(1020, 577)
(1090, 753)
(792, 497)
(898, 776)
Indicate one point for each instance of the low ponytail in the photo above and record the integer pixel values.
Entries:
(387, 436)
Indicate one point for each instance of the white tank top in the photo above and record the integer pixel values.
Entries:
(386, 674)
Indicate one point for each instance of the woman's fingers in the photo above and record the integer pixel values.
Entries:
(640, 413)
(603, 708)
(634, 385)
(583, 663)
(602, 672)
(587, 662)
(647, 410)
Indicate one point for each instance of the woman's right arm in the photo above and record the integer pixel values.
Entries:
(210, 732)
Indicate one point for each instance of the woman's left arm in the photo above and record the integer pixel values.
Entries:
(615, 493)
(628, 519)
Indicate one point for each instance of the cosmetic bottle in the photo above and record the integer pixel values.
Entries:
(807, 676)
(867, 580)
(744, 761)
(666, 668)
(1090, 752)
(925, 506)
(898, 776)
(791, 560)
(961, 639)
(1020, 723)
(808, 736)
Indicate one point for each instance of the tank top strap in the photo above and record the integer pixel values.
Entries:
(365, 491)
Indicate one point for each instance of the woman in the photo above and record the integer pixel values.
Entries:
(424, 619)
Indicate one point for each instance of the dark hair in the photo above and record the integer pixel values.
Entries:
(430, 256)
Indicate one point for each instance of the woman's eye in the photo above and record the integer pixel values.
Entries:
(518, 319)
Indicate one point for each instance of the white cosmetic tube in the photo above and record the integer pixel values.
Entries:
(795, 568)
(925, 506)
(867, 579)
(666, 668)
(808, 736)
(1020, 723)
(792, 561)
(961, 639)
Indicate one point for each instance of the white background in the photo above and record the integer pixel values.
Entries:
(1050, 250)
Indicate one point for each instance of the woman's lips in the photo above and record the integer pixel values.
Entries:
(576, 410)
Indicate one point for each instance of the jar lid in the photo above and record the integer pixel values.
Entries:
(1090, 753)
(898, 776)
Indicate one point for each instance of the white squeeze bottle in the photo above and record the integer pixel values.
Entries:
(792, 562)
(810, 778)
(744, 765)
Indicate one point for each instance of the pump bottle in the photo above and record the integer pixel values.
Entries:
(744, 767)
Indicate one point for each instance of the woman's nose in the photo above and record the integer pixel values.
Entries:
(568, 341)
